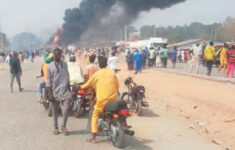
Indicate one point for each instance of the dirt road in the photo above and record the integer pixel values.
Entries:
(207, 106)
(25, 126)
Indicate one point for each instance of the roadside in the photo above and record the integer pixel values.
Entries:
(207, 107)
(183, 69)
(160, 128)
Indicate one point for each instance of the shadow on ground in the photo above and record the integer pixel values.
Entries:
(136, 143)
(78, 132)
(148, 113)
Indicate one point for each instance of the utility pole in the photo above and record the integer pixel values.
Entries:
(1, 38)
(121, 38)
(125, 36)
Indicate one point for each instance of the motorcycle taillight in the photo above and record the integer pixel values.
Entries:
(123, 112)
(81, 92)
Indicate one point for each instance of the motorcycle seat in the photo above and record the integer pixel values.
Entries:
(115, 106)
(137, 88)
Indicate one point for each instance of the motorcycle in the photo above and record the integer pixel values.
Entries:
(80, 102)
(113, 124)
(135, 96)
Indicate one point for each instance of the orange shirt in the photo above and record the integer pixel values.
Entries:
(44, 71)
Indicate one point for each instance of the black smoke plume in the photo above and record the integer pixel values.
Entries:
(105, 15)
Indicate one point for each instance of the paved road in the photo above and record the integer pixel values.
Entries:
(24, 124)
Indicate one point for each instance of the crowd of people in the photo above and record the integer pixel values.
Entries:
(60, 77)
(205, 54)
(100, 74)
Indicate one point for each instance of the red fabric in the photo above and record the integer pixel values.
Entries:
(231, 56)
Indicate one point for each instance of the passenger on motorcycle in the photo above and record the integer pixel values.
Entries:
(42, 85)
(106, 86)
(75, 71)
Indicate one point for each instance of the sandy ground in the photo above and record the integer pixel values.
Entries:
(207, 106)
(25, 126)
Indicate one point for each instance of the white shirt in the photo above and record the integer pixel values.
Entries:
(113, 62)
(197, 50)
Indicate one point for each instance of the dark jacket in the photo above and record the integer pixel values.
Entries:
(15, 66)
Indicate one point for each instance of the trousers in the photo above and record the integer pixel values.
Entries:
(64, 106)
(230, 69)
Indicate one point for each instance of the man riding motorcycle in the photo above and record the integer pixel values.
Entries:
(106, 86)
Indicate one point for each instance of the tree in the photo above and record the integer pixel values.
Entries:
(147, 31)
(228, 29)
(25, 41)
(4, 43)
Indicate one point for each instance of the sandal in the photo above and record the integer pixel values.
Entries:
(92, 141)
(65, 131)
(56, 132)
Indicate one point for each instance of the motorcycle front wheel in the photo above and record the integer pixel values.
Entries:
(49, 110)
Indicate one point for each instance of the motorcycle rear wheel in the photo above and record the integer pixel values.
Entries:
(78, 111)
(117, 135)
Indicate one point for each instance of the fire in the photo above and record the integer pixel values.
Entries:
(57, 38)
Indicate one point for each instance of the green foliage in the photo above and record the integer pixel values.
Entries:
(25, 41)
(179, 33)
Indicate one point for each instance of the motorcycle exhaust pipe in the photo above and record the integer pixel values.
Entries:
(129, 132)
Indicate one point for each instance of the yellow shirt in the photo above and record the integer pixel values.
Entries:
(209, 53)
(44, 71)
(106, 85)
(223, 53)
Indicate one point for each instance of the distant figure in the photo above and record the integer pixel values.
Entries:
(113, 62)
(164, 56)
(129, 60)
(204, 44)
(195, 62)
(223, 57)
(7, 61)
(137, 60)
(186, 56)
(231, 62)
(209, 55)
(158, 59)
(152, 57)
(174, 57)
(16, 71)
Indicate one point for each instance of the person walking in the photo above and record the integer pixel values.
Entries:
(152, 56)
(195, 62)
(130, 61)
(174, 57)
(58, 90)
(138, 62)
(164, 56)
(186, 56)
(231, 62)
(209, 55)
(223, 57)
(16, 71)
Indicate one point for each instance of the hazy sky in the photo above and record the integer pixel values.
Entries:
(44, 16)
